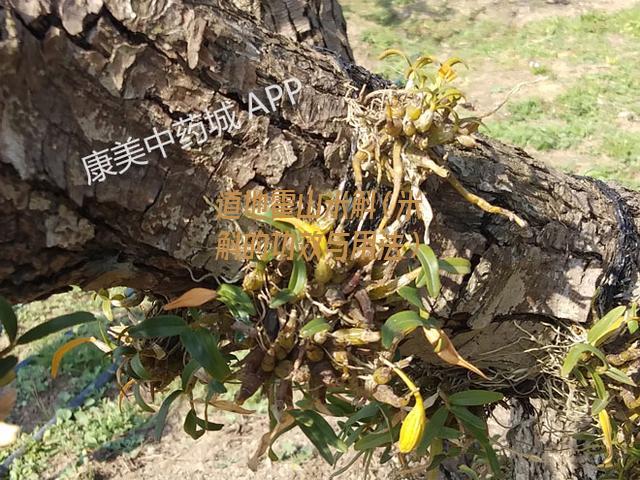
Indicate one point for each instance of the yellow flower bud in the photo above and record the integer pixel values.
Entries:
(412, 427)
(424, 121)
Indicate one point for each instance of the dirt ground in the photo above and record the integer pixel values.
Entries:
(224, 454)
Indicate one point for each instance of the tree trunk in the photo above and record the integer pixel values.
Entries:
(78, 77)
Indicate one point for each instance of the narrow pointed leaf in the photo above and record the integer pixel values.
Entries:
(188, 372)
(140, 401)
(433, 430)
(161, 416)
(599, 404)
(475, 397)
(160, 326)
(229, 406)
(7, 364)
(411, 295)
(619, 376)
(398, 325)
(191, 427)
(203, 347)
(606, 325)
(316, 325)
(298, 279)
(465, 416)
(377, 439)
(8, 319)
(316, 428)
(138, 368)
(237, 300)
(52, 326)
(192, 298)
(455, 265)
(574, 355)
(60, 352)
(430, 266)
(280, 298)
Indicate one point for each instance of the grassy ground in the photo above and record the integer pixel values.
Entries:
(97, 424)
(580, 109)
(582, 113)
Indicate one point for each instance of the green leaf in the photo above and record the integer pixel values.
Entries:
(598, 384)
(8, 319)
(191, 427)
(55, 325)
(606, 325)
(475, 397)
(280, 298)
(316, 428)
(188, 372)
(572, 358)
(208, 426)
(455, 265)
(468, 472)
(368, 411)
(338, 406)
(599, 404)
(192, 422)
(466, 417)
(140, 401)
(411, 295)
(400, 324)
(236, 300)
(314, 326)
(377, 439)
(7, 364)
(450, 433)
(138, 368)
(298, 279)
(203, 347)
(632, 318)
(619, 376)
(433, 430)
(297, 284)
(106, 309)
(214, 387)
(430, 266)
(160, 326)
(476, 426)
(161, 416)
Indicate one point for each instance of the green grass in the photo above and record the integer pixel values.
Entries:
(594, 56)
(99, 423)
(75, 434)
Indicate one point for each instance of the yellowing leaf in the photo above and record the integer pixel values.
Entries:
(607, 435)
(606, 325)
(230, 407)
(70, 345)
(444, 349)
(287, 422)
(315, 232)
(192, 298)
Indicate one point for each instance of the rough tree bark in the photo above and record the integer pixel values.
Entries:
(81, 76)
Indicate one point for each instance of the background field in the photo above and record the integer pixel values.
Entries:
(579, 110)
